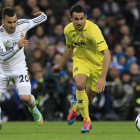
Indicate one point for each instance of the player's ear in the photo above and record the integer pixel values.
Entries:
(70, 18)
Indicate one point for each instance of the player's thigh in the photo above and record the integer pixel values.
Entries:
(22, 82)
(93, 78)
(80, 73)
(4, 81)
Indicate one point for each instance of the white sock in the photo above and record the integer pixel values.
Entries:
(32, 104)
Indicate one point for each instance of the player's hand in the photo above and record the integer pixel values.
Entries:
(100, 85)
(57, 69)
(38, 14)
(22, 43)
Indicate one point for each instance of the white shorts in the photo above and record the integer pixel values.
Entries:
(19, 78)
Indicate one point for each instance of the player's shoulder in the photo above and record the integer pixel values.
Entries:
(22, 21)
(91, 24)
(93, 28)
(68, 27)
(1, 31)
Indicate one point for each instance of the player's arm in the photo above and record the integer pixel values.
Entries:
(66, 56)
(102, 47)
(106, 62)
(40, 17)
(5, 55)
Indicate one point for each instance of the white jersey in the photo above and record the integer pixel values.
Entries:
(11, 57)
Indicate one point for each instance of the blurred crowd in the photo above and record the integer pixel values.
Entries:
(119, 22)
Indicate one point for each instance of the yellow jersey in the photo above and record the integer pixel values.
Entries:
(88, 43)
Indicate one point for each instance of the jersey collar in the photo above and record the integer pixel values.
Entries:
(85, 27)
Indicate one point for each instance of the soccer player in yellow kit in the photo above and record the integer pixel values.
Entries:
(90, 62)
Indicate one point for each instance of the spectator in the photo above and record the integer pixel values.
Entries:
(9, 3)
(58, 32)
(39, 34)
(36, 56)
(42, 45)
(43, 5)
(135, 75)
(20, 12)
(29, 6)
(125, 41)
(122, 64)
(130, 52)
(65, 21)
(50, 25)
(34, 10)
(58, 6)
(123, 94)
(132, 13)
(49, 56)
(110, 7)
(96, 13)
(60, 46)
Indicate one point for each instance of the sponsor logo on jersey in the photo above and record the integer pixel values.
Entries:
(100, 42)
(79, 43)
(21, 34)
(75, 69)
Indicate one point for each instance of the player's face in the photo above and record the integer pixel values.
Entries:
(78, 20)
(10, 23)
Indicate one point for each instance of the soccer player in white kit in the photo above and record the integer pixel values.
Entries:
(12, 59)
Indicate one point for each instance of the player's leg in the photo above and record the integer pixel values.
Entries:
(4, 81)
(23, 86)
(80, 74)
(82, 99)
(29, 100)
(87, 124)
(91, 94)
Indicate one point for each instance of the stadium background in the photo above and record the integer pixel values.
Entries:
(119, 23)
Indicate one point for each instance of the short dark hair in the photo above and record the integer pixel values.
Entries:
(78, 9)
(9, 11)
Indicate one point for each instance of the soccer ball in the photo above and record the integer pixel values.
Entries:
(137, 122)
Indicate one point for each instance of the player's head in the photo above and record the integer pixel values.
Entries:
(77, 16)
(9, 19)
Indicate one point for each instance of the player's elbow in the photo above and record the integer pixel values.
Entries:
(107, 53)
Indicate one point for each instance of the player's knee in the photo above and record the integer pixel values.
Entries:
(80, 86)
(25, 98)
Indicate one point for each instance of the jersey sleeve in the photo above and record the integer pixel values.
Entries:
(68, 40)
(99, 40)
(5, 55)
(36, 21)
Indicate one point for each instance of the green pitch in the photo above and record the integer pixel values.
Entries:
(62, 131)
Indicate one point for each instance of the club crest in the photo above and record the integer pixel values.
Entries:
(82, 36)
(21, 35)
(75, 69)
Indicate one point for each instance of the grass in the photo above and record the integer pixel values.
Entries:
(62, 131)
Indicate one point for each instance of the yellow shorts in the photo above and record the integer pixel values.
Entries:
(81, 67)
